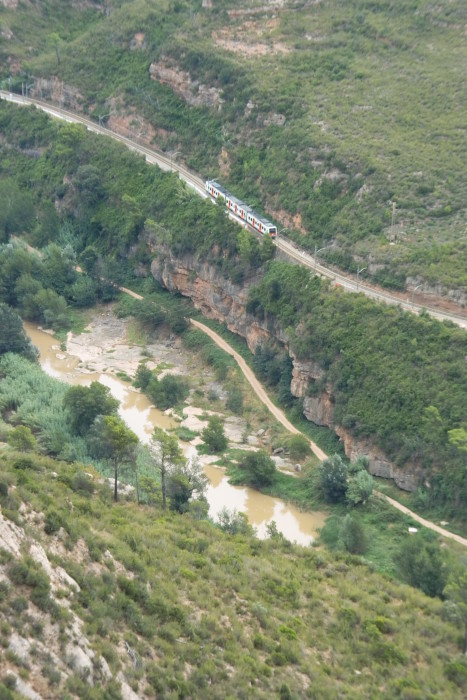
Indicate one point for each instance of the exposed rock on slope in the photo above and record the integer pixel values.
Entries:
(219, 298)
(193, 92)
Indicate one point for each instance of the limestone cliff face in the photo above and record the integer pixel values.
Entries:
(219, 298)
(215, 296)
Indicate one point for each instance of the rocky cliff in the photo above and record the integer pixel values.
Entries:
(219, 298)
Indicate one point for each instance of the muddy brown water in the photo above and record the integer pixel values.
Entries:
(137, 411)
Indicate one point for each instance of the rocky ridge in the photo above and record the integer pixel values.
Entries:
(65, 652)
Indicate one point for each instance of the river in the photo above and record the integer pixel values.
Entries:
(142, 417)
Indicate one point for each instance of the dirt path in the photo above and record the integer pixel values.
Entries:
(256, 386)
(278, 414)
(426, 523)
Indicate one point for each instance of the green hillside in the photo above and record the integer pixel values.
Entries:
(177, 609)
(397, 379)
(322, 114)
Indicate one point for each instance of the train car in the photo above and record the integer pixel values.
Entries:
(215, 190)
(240, 209)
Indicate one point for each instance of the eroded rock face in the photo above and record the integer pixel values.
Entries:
(319, 409)
(58, 92)
(196, 94)
(221, 299)
(408, 478)
(303, 373)
(215, 296)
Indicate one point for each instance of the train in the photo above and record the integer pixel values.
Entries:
(240, 209)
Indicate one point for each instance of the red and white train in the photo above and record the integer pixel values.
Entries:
(240, 209)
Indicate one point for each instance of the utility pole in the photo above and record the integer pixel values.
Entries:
(359, 269)
(318, 250)
(393, 220)
(173, 155)
(413, 293)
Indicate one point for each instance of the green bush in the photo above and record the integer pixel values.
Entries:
(213, 435)
(168, 391)
(298, 447)
(52, 522)
(333, 478)
(353, 536)
(235, 401)
(420, 562)
(456, 671)
(257, 469)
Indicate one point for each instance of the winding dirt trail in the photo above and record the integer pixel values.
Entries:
(279, 415)
(255, 384)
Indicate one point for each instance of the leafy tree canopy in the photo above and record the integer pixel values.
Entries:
(84, 404)
(333, 478)
(259, 469)
(12, 335)
(214, 436)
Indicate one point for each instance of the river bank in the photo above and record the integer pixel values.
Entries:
(108, 350)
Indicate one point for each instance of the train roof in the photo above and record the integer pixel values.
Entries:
(218, 187)
(239, 203)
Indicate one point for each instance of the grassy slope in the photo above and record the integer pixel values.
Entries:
(370, 91)
(213, 615)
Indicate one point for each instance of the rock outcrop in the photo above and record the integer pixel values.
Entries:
(219, 298)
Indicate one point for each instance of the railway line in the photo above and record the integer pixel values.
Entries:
(194, 181)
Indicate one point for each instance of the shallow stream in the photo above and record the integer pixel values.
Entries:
(142, 417)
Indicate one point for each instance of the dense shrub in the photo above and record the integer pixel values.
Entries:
(168, 391)
(333, 478)
(258, 469)
(213, 435)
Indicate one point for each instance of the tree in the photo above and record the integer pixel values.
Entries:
(167, 392)
(267, 250)
(235, 400)
(83, 292)
(360, 488)
(166, 454)
(88, 181)
(52, 308)
(233, 522)
(362, 463)
(456, 592)
(213, 435)
(26, 288)
(16, 209)
(259, 469)
(12, 335)
(184, 480)
(353, 536)
(58, 270)
(118, 444)
(421, 564)
(458, 438)
(21, 438)
(333, 478)
(84, 404)
(298, 447)
(143, 376)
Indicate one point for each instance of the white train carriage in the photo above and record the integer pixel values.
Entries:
(215, 190)
(240, 209)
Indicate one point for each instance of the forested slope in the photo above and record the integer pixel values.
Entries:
(323, 114)
(396, 379)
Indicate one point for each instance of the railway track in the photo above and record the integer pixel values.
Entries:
(193, 180)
